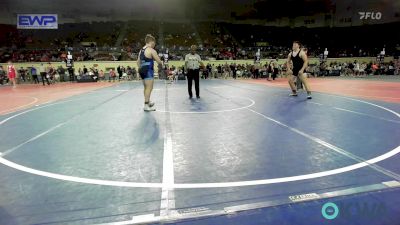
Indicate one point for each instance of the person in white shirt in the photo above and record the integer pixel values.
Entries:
(43, 74)
(193, 63)
(356, 68)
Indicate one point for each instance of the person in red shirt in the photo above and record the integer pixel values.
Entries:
(375, 68)
(12, 73)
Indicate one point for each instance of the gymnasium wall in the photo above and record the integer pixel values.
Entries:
(103, 65)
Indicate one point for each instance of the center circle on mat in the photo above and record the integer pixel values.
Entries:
(202, 185)
(197, 106)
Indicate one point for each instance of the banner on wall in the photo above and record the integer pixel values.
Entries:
(37, 21)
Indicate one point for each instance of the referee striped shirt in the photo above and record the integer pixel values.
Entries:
(192, 61)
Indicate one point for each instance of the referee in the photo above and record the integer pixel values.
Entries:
(192, 63)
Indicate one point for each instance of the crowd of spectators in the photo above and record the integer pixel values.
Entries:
(219, 41)
(334, 68)
(47, 74)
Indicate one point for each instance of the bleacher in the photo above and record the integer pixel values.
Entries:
(178, 35)
(96, 40)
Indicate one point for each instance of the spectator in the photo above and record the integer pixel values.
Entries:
(34, 75)
(119, 70)
(2, 75)
(43, 75)
(101, 75)
(112, 75)
(22, 73)
(61, 72)
(50, 72)
(85, 70)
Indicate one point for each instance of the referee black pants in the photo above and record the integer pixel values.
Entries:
(193, 75)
